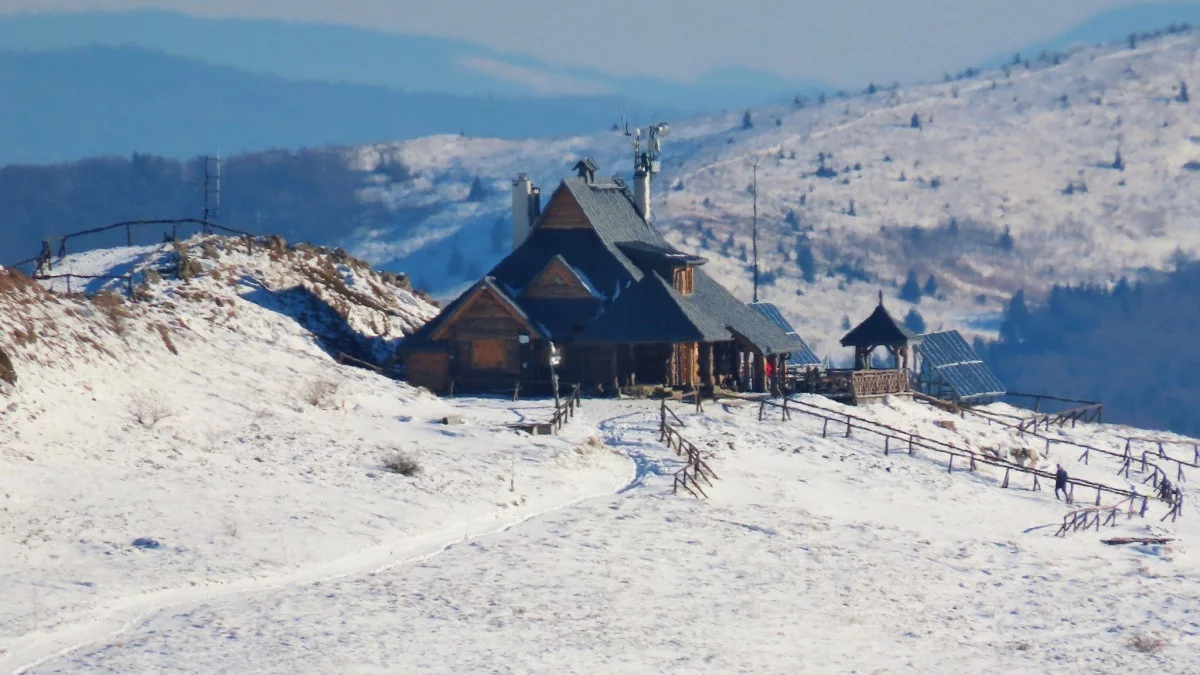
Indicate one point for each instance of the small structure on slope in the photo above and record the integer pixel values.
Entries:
(593, 290)
(948, 368)
(866, 382)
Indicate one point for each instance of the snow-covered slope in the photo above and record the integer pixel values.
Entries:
(1029, 150)
(812, 555)
(191, 483)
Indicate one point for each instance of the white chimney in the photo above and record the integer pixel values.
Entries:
(641, 193)
(522, 200)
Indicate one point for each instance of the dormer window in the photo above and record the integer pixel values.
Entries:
(685, 280)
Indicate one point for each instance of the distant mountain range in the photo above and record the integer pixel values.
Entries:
(91, 101)
(414, 63)
(85, 84)
(1112, 26)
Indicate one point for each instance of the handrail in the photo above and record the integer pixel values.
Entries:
(46, 254)
(1157, 473)
(915, 440)
(696, 468)
(1084, 518)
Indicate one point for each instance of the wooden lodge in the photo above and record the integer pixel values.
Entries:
(591, 280)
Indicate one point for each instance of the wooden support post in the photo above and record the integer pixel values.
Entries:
(1097, 496)
(824, 427)
(886, 445)
(1071, 494)
(847, 426)
(1005, 485)
(950, 466)
(910, 444)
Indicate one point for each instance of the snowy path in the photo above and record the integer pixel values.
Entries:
(130, 613)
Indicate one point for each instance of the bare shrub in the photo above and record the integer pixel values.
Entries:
(165, 333)
(112, 305)
(1147, 644)
(319, 393)
(8, 373)
(401, 463)
(148, 410)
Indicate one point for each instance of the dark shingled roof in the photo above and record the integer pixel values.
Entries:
(422, 337)
(639, 305)
(879, 329)
(802, 357)
(653, 311)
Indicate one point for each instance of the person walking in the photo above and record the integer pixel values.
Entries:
(1060, 483)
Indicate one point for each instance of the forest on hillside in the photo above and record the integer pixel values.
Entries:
(1132, 347)
(306, 195)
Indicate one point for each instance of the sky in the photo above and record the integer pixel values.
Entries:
(841, 41)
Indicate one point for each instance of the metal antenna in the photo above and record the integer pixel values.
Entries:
(205, 216)
(217, 214)
(754, 230)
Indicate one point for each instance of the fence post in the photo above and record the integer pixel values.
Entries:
(824, 427)
(847, 426)
(950, 468)
(910, 444)
(1097, 496)
(1036, 485)
(1145, 505)
(1071, 494)
(1005, 485)
(886, 445)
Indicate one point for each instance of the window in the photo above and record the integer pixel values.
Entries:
(489, 355)
(684, 280)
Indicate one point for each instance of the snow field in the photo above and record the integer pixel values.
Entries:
(813, 555)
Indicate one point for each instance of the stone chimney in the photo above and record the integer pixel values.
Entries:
(527, 206)
(641, 193)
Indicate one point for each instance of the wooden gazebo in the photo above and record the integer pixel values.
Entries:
(880, 330)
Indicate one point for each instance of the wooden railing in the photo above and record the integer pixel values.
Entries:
(1157, 474)
(899, 440)
(695, 469)
(1159, 444)
(1087, 414)
(1097, 516)
(565, 410)
(873, 383)
(46, 257)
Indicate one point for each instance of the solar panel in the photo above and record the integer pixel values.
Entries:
(949, 356)
(801, 357)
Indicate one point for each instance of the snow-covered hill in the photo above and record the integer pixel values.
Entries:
(1029, 150)
(191, 483)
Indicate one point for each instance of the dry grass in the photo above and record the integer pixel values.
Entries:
(401, 463)
(166, 338)
(112, 306)
(320, 393)
(148, 410)
(1147, 644)
(8, 372)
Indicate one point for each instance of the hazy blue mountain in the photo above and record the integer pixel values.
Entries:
(309, 51)
(1112, 26)
(89, 101)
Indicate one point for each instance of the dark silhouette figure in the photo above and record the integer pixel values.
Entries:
(1060, 483)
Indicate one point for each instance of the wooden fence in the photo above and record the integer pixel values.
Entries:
(46, 257)
(1097, 516)
(899, 440)
(1157, 474)
(696, 469)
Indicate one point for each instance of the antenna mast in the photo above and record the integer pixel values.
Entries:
(217, 213)
(204, 217)
(754, 230)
